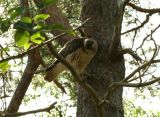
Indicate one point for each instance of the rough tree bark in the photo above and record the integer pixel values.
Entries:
(103, 69)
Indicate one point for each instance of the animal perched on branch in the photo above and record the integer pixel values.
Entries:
(78, 52)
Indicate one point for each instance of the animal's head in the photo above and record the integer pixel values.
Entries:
(90, 44)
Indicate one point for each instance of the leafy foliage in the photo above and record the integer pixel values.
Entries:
(21, 38)
(136, 111)
(44, 3)
(26, 31)
(41, 17)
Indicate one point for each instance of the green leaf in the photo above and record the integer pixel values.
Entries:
(5, 49)
(27, 45)
(41, 17)
(71, 32)
(4, 66)
(21, 37)
(45, 3)
(37, 38)
(23, 26)
(39, 27)
(26, 20)
(14, 12)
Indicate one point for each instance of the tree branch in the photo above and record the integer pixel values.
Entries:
(51, 49)
(136, 84)
(140, 9)
(115, 85)
(153, 31)
(32, 65)
(131, 52)
(47, 109)
(5, 96)
(144, 65)
(139, 68)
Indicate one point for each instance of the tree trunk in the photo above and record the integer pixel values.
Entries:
(33, 62)
(103, 69)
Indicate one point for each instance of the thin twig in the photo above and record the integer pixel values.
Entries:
(136, 84)
(140, 9)
(139, 68)
(153, 31)
(47, 109)
(140, 26)
(144, 65)
(5, 96)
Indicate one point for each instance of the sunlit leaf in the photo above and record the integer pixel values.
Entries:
(37, 38)
(21, 38)
(38, 27)
(4, 66)
(27, 46)
(71, 32)
(26, 19)
(41, 17)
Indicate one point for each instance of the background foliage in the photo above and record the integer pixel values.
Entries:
(20, 32)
